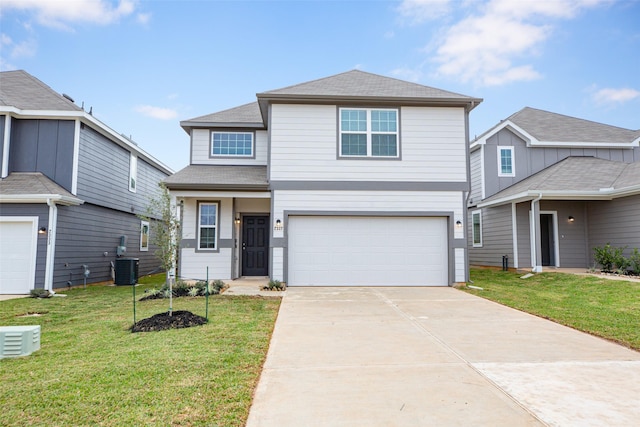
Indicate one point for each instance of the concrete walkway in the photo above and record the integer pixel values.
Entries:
(436, 357)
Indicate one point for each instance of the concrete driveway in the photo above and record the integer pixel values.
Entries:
(436, 357)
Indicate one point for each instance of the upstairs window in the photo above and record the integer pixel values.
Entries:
(368, 132)
(133, 172)
(232, 144)
(506, 165)
(207, 225)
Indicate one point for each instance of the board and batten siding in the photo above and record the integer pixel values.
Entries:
(44, 146)
(497, 237)
(201, 149)
(304, 146)
(103, 175)
(85, 233)
(531, 160)
(194, 263)
(616, 222)
(33, 210)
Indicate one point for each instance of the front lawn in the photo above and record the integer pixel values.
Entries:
(91, 370)
(606, 308)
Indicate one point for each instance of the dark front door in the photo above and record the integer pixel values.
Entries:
(255, 246)
(547, 240)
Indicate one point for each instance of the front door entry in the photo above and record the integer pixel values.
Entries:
(255, 246)
(547, 240)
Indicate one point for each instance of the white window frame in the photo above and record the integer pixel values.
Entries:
(214, 227)
(513, 161)
(369, 132)
(144, 232)
(477, 244)
(133, 172)
(253, 148)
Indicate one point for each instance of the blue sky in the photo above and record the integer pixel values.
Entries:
(143, 66)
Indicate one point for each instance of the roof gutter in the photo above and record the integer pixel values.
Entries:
(41, 198)
(602, 194)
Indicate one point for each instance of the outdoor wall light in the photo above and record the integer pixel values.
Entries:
(278, 225)
(571, 219)
(458, 224)
(237, 221)
(42, 230)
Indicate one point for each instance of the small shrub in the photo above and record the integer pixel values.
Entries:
(194, 292)
(634, 261)
(40, 293)
(152, 292)
(610, 258)
(166, 293)
(275, 285)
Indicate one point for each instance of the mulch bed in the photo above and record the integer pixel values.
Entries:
(162, 321)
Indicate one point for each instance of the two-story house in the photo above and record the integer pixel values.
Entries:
(70, 191)
(548, 188)
(351, 180)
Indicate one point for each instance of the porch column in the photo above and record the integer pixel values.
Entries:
(536, 246)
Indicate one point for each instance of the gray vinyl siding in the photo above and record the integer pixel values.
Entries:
(85, 233)
(616, 222)
(43, 146)
(497, 238)
(476, 177)
(42, 212)
(531, 160)
(571, 235)
(524, 235)
(103, 175)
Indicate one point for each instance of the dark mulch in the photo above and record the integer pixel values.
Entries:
(162, 321)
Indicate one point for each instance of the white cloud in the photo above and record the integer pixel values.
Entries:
(489, 47)
(417, 11)
(143, 18)
(60, 13)
(24, 49)
(157, 112)
(612, 96)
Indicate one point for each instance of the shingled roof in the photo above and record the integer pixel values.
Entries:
(577, 178)
(209, 177)
(30, 187)
(21, 90)
(247, 116)
(547, 126)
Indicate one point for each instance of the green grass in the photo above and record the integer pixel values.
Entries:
(91, 371)
(607, 308)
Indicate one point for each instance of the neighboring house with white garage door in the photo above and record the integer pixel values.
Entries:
(548, 188)
(70, 190)
(351, 180)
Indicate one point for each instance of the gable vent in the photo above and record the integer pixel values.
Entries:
(16, 341)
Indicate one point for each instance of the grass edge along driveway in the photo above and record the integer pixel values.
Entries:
(91, 371)
(606, 308)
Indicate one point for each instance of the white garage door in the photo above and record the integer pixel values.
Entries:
(367, 251)
(18, 238)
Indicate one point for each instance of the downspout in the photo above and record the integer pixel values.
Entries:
(51, 245)
(534, 232)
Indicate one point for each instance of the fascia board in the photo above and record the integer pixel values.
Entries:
(197, 125)
(523, 134)
(555, 144)
(603, 194)
(94, 123)
(41, 198)
(220, 194)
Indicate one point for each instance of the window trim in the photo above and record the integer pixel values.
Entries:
(473, 237)
(369, 133)
(133, 172)
(232, 156)
(216, 227)
(143, 247)
(513, 161)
